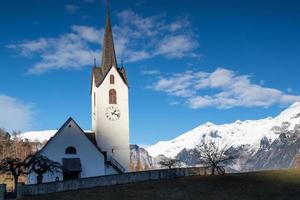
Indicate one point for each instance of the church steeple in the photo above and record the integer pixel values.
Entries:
(110, 106)
(109, 58)
(108, 52)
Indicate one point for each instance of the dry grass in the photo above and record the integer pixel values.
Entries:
(272, 185)
(9, 181)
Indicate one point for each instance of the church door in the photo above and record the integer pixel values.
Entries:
(71, 176)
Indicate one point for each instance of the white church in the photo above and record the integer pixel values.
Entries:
(104, 150)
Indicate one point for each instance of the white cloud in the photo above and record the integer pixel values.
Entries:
(68, 51)
(177, 85)
(141, 26)
(88, 1)
(150, 72)
(179, 24)
(29, 47)
(136, 37)
(176, 46)
(222, 88)
(71, 8)
(15, 114)
(173, 40)
(89, 34)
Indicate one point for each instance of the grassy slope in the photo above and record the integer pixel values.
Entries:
(261, 185)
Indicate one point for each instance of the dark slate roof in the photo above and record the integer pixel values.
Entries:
(92, 137)
(72, 164)
(123, 74)
(99, 74)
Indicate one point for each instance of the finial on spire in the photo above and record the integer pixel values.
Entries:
(95, 64)
(107, 10)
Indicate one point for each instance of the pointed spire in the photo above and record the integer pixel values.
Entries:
(108, 52)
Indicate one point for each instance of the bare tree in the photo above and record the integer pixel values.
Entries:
(214, 156)
(41, 165)
(13, 152)
(168, 162)
(11, 145)
(15, 166)
(5, 144)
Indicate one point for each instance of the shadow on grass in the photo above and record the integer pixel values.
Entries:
(267, 185)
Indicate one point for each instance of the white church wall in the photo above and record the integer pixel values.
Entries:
(109, 170)
(113, 136)
(92, 161)
(48, 177)
(94, 97)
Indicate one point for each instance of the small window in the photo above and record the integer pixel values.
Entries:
(112, 96)
(112, 79)
(71, 150)
(94, 99)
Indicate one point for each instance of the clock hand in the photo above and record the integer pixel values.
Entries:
(115, 113)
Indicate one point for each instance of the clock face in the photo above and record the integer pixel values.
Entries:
(112, 113)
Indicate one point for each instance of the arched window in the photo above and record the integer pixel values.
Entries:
(112, 96)
(71, 150)
(112, 79)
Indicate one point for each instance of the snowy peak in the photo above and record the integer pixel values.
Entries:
(240, 133)
(291, 112)
(38, 136)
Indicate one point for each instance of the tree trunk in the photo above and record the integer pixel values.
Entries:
(213, 170)
(39, 179)
(16, 184)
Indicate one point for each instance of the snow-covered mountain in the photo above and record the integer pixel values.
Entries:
(245, 138)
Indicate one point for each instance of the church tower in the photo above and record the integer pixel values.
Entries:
(110, 112)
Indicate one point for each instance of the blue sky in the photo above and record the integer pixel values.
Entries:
(188, 62)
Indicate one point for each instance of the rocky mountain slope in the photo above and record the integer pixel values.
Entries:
(269, 143)
(140, 159)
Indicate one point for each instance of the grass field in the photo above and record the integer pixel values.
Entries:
(269, 185)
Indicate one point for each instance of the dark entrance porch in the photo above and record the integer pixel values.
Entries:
(71, 175)
(71, 168)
